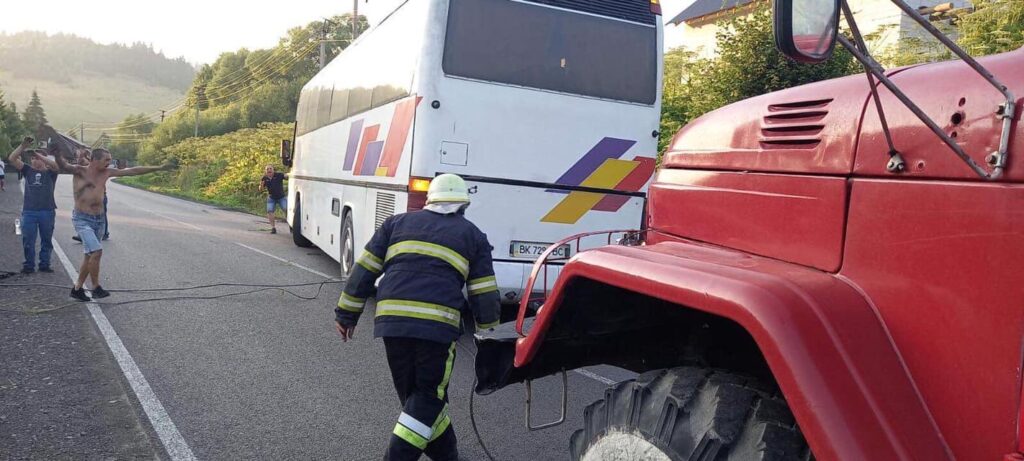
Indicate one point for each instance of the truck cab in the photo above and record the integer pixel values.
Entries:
(822, 276)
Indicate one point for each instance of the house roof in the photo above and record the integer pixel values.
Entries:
(706, 7)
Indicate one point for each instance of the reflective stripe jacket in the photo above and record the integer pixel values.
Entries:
(423, 260)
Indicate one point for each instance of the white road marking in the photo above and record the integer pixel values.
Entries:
(595, 376)
(174, 443)
(290, 263)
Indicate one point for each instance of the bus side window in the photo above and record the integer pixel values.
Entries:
(339, 104)
(323, 112)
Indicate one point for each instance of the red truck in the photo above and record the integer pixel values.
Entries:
(831, 272)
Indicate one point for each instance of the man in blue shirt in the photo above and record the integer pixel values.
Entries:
(39, 209)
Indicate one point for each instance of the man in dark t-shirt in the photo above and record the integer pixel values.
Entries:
(38, 211)
(273, 183)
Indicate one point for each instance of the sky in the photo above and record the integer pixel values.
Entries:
(196, 30)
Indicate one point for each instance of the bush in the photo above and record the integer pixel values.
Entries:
(222, 170)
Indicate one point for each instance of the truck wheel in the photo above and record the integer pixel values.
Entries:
(689, 414)
(348, 246)
(297, 237)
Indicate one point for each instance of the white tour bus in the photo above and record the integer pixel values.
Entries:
(548, 108)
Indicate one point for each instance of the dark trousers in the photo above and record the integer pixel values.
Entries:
(421, 371)
(33, 224)
(106, 222)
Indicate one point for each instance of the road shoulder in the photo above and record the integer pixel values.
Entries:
(62, 395)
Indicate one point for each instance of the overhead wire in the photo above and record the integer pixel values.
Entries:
(279, 60)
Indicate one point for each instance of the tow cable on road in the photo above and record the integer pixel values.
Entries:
(258, 288)
(472, 407)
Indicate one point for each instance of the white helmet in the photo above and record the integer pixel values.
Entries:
(447, 188)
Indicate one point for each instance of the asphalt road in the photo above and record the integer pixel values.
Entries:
(264, 375)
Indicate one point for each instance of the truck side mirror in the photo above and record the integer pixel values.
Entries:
(805, 30)
(286, 152)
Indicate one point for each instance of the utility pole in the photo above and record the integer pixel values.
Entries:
(200, 95)
(355, 20)
(162, 114)
(323, 45)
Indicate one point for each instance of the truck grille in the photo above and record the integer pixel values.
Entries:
(794, 125)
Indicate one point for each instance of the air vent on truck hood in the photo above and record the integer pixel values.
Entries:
(805, 129)
(794, 125)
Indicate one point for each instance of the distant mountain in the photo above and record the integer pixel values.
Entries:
(79, 80)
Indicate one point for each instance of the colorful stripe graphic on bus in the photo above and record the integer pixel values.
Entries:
(601, 168)
(365, 155)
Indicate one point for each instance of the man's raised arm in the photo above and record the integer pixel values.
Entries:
(15, 157)
(50, 164)
(139, 170)
(62, 165)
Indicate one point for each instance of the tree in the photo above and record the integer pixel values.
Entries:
(11, 128)
(129, 135)
(34, 115)
(748, 65)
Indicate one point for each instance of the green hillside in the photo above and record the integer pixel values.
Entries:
(79, 80)
(88, 98)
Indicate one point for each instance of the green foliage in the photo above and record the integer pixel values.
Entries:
(128, 136)
(995, 26)
(748, 65)
(244, 89)
(60, 58)
(12, 130)
(34, 116)
(223, 170)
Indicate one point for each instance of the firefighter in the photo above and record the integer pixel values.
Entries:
(423, 259)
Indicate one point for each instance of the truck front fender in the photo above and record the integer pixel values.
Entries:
(824, 343)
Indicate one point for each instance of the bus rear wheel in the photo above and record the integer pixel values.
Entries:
(689, 413)
(348, 246)
(297, 237)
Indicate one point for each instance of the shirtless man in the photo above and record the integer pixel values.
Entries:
(90, 185)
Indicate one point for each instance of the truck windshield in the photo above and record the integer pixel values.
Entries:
(551, 49)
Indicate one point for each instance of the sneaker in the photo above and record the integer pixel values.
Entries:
(46, 269)
(76, 238)
(106, 237)
(273, 230)
(99, 292)
(27, 270)
(80, 295)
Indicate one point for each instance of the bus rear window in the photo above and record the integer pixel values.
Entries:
(552, 49)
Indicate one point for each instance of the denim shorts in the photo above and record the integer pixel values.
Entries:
(89, 228)
(281, 203)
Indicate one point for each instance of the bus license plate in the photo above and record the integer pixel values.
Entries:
(535, 249)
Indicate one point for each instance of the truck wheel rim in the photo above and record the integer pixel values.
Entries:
(623, 446)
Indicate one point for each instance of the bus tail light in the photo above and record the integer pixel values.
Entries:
(417, 193)
(656, 7)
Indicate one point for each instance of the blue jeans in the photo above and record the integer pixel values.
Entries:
(281, 203)
(37, 223)
(89, 228)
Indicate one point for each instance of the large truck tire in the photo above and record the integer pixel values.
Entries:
(297, 237)
(689, 414)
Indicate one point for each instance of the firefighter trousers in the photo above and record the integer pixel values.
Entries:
(421, 370)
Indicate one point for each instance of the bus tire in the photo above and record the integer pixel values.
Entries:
(347, 257)
(689, 413)
(297, 237)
